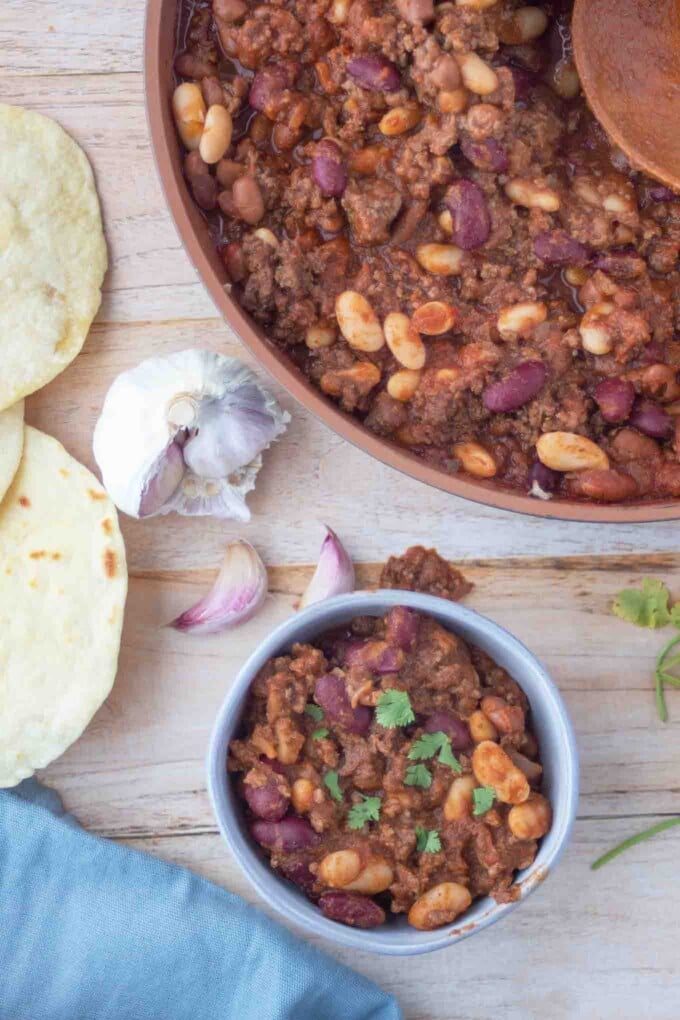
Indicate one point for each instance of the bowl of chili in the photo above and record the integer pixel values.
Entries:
(549, 722)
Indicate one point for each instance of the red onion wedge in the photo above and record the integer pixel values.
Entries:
(238, 593)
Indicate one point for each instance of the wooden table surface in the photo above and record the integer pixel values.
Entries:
(587, 945)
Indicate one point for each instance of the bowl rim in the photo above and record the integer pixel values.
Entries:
(280, 894)
(193, 235)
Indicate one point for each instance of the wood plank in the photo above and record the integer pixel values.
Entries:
(143, 755)
(593, 945)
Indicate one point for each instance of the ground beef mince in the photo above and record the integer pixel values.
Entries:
(424, 570)
(415, 203)
(391, 767)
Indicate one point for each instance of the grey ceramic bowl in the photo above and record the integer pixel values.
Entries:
(551, 723)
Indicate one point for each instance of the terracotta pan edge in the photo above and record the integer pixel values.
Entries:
(159, 50)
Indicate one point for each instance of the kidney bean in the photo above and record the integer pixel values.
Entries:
(402, 627)
(660, 193)
(329, 168)
(376, 656)
(466, 202)
(653, 353)
(486, 155)
(615, 398)
(274, 764)
(289, 834)
(375, 73)
(351, 908)
(558, 248)
(268, 84)
(331, 693)
(416, 12)
(191, 65)
(267, 801)
(247, 199)
(620, 262)
(234, 261)
(204, 189)
(545, 477)
(651, 420)
(298, 872)
(523, 80)
(455, 728)
(516, 389)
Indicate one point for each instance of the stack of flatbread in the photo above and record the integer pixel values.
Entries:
(63, 578)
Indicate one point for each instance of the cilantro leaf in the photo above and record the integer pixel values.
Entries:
(482, 797)
(331, 783)
(418, 775)
(367, 810)
(394, 709)
(429, 744)
(315, 712)
(427, 840)
(320, 733)
(646, 606)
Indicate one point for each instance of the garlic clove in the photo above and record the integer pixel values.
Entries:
(212, 407)
(238, 592)
(161, 485)
(334, 574)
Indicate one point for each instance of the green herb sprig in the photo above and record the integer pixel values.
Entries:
(330, 781)
(367, 810)
(648, 606)
(482, 799)
(418, 775)
(427, 840)
(633, 841)
(394, 709)
(430, 744)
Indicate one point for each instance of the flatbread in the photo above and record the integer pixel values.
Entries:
(11, 444)
(52, 251)
(63, 583)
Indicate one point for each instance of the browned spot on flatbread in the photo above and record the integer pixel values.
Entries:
(110, 563)
(93, 494)
(24, 500)
(56, 556)
(39, 554)
(64, 473)
(107, 526)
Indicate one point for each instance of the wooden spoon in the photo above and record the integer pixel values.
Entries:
(627, 53)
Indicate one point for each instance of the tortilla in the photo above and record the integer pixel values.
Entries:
(63, 582)
(11, 444)
(52, 251)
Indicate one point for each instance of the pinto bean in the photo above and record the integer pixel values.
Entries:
(229, 10)
(517, 388)
(375, 73)
(531, 769)
(352, 909)
(285, 836)
(506, 718)
(329, 168)
(651, 419)
(330, 692)
(456, 729)
(247, 199)
(458, 803)
(227, 171)
(439, 905)
(234, 261)
(607, 486)
(532, 819)
(614, 397)
(446, 74)
(204, 189)
(470, 214)
(492, 767)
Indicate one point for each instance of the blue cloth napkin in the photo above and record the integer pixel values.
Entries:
(93, 931)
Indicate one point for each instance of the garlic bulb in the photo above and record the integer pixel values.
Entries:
(186, 433)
